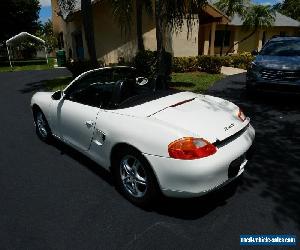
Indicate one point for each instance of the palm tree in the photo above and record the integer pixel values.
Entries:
(140, 4)
(170, 15)
(88, 24)
(230, 8)
(123, 12)
(257, 17)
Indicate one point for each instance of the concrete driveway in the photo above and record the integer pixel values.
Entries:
(54, 198)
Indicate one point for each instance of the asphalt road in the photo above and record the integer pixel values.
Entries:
(51, 197)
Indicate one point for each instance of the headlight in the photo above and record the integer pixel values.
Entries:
(189, 148)
(253, 66)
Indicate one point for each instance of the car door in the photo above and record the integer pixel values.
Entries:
(78, 111)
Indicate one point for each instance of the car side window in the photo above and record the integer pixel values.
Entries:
(94, 89)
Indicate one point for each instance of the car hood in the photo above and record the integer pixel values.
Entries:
(195, 115)
(279, 62)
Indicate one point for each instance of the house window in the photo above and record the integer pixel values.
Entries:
(219, 38)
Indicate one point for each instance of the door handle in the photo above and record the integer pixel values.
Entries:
(89, 124)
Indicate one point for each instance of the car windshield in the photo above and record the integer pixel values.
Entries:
(282, 48)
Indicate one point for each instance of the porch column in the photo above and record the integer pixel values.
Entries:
(235, 42)
(260, 38)
(206, 41)
(212, 39)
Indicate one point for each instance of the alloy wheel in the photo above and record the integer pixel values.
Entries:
(133, 176)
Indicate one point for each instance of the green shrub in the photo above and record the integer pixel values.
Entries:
(210, 64)
(185, 64)
(242, 61)
(146, 63)
(226, 61)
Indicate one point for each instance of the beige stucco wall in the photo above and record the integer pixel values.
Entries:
(111, 44)
(255, 41)
(184, 45)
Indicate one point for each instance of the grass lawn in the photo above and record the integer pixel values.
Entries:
(195, 81)
(29, 67)
(58, 83)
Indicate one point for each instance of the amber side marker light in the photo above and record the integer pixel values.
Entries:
(241, 115)
(190, 148)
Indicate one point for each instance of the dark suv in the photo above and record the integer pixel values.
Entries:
(276, 66)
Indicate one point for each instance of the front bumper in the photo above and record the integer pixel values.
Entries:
(255, 82)
(192, 178)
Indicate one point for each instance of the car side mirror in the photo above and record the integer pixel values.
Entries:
(57, 95)
(254, 52)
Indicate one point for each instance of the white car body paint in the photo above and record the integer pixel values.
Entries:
(151, 127)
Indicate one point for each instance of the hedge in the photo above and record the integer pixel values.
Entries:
(211, 64)
(242, 61)
(146, 63)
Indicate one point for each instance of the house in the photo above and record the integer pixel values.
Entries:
(205, 38)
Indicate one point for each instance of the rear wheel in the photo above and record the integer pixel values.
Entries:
(41, 126)
(135, 178)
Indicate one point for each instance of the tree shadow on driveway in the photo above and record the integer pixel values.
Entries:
(34, 87)
(275, 167)
(83, 160)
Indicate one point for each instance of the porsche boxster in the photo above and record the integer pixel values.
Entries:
(154, 140)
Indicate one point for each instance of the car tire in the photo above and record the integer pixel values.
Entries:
(42, 128)
(134, 177)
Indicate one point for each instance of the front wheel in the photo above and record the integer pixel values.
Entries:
(41, 126)
(135, 178)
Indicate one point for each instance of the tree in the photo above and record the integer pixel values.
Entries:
(88, 24)
(66, 6)
(170, 15)
(290, 8)
(139, 5)
(46, 33)
(123, 11)
(17, 16)
(257, 17)
(230, 8)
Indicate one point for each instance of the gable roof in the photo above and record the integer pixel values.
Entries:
(23, 36)
(280, 21)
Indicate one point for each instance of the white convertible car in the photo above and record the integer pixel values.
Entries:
(153, 141)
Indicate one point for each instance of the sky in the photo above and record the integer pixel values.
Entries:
(45, 12)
